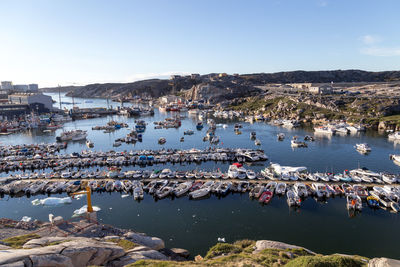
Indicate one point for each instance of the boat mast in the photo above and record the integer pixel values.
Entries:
(59, 95)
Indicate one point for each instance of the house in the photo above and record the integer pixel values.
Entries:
(322, 89)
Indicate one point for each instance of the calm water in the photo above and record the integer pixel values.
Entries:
(196, 225)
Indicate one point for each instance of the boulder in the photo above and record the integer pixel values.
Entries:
(79, 251)
(51, 260)
(15, 264)
(79, 255)
(148, 241)
(41, 242)
(181, 252)
(4, 247)
(265, 244)
(132, 257)
(84, 250)
(383, 262)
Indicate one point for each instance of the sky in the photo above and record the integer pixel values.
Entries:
(69, 42)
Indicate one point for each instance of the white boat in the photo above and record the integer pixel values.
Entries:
(321, 190)
(242, 173)
(117, 144)
(292, 198)
(394, 136)
(365, 172)
(257, 142)
(138, 193)
(182, 188)
(363, 147)
(164, 192)
(165, 173)
(353, 202)
(202, 192)
(278, 169)
(324, 130)
(250, 174)
(89, 144)
(74, 135)
(300, 189)
(297, 143)
(257, 191)
(224, 188)
(395, 158)
(280, 189)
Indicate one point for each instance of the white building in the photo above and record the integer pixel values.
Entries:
(21, 87)
(168, 99)
(33, 87)
(6, 85)
(321, 89)
(31, 98)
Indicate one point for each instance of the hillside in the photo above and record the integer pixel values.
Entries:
(239, 84)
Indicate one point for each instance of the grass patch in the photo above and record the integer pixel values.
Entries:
(19, 241)
(222, 248)
(156, 263)
(391, 118)
(123, 243)
(56, 243)
(245, 243)
(325, 261)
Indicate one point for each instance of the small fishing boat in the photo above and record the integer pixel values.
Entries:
(293, 199)
(116, 144)
(395, 206)
(257, 191)
(89, 144)
(182, 139)
(297, 143)
(266, 197)
(280, 189)
(257, 142)
(281, 136)
(188, 132)
(373, 202)
(354, 202)
(162, 140)
(363, 148)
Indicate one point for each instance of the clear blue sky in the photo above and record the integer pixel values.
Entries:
(82, 41)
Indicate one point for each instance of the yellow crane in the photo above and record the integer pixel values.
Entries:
(88, 197)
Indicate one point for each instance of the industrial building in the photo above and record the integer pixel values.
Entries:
(6, 85)
(31, 99)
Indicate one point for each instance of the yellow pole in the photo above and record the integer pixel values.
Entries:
(89, 200)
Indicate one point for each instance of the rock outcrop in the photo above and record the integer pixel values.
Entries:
(148, 241)
(383, 262)
(265, 244)
(73, 251)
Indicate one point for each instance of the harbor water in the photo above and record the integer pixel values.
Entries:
(323, 227)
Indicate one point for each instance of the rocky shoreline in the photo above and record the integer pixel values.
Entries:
(84, 243)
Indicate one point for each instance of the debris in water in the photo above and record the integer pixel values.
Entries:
(51, 201)
(83, 210)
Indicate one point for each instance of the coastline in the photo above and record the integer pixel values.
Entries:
(59, 243)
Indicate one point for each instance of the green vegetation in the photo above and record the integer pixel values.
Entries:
(222, 249)
(326, 261)
(240, 253)
(19, 241)
(56, 243)
(123, 243)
